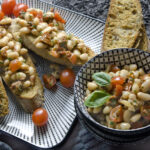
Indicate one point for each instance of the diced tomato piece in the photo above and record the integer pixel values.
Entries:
(73, 59)
(117, 80)
(116, 114)
(37, 14)
(58, 17)
(118, 90)
(114, 68)
(15, 65)
(1, 15)
(49, 81)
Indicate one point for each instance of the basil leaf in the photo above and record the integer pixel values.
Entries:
(97, 99)
(102, 78)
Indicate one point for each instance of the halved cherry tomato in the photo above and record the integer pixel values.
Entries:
(114, 68)
(40, 117)
(145, 111)
(15, 65)
(67, 78)
(118, 90)
(73, 59)
(116, 114)
(117, 80)
(58, 17)
(54, 54)
(8, 6)
(19, 8)
(49, 81)
(37, 14)
(1, 15)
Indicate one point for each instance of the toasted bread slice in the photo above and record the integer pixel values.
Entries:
(28, 41)
(3, 100)
(123, 25)
(33, 97)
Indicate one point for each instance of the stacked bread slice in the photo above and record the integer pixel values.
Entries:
(124, 27)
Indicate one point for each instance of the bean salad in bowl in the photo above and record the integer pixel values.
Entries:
(119, 98)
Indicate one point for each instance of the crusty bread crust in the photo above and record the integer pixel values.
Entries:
(28, 41)
(3, 100)
(32, 98)
(123, 25)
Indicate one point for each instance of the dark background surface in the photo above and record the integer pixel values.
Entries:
(79, 138)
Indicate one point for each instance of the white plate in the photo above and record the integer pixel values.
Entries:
(59, 102)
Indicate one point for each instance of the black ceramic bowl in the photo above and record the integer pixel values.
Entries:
(119, 57)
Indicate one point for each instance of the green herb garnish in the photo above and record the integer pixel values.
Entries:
(20, 40)
(97, 99)
(102, 78)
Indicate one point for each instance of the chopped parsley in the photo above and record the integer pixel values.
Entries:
(111, 123)
(20, 40)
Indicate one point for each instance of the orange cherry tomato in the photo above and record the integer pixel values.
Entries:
(19, 8)
(8, 6)
(117, 80)
(49, 81)
(1, 15)
(15, 65)
(67, 78)
(145, 111)
(73, 59)
(58, 17)
(118, 90)
(116, 114)
(40, 117)
(114, 68)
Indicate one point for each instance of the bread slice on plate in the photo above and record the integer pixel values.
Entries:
(49, 39)
(19, 73)
(124, 27)
(4, 110)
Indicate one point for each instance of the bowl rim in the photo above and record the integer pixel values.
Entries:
(89, 117)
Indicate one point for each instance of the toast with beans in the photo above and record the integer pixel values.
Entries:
(124, 26)
(46, 37)
(19, 73)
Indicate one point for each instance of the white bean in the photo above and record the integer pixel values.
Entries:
(11, 44)
(132, 96)
(36, 21)
(124, 73)
(35, 32)
(40, 45)
(16, 36)
(70, 44)
(28, 16)
(5, 21)
(84, 56)
(47, 30)
(127, 104)
(77, 53)
(127, 115)
(20, 76)
(107, 109)
(135, 118)
(133, 67)
(12, 55)
(138, 81)
(22, 22)
(27, 84)
(24, 67)
(21, 59)
(23, 51)
(125, 126)
(31, 70)
(143, 96)
(24, 30)
(9, 35)
(136, 74)
(6, 62)
(125, 94)
(17, 46)
(141, 72)
(92, 86)
(96, 110)
(4, 41)
(41, 26)
(145, 86)
(135, 88)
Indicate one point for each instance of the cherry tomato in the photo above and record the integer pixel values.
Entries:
(118, 90)
(145, 111)
(19, 8)
(1, 15)
(117, 80)
(114, 68)
(58, 17)
(40, 117)
(73, 59)
(49, 81)
(15, 65)
(8, 6)
(67, 78)
(116, 114)
(37, 14)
